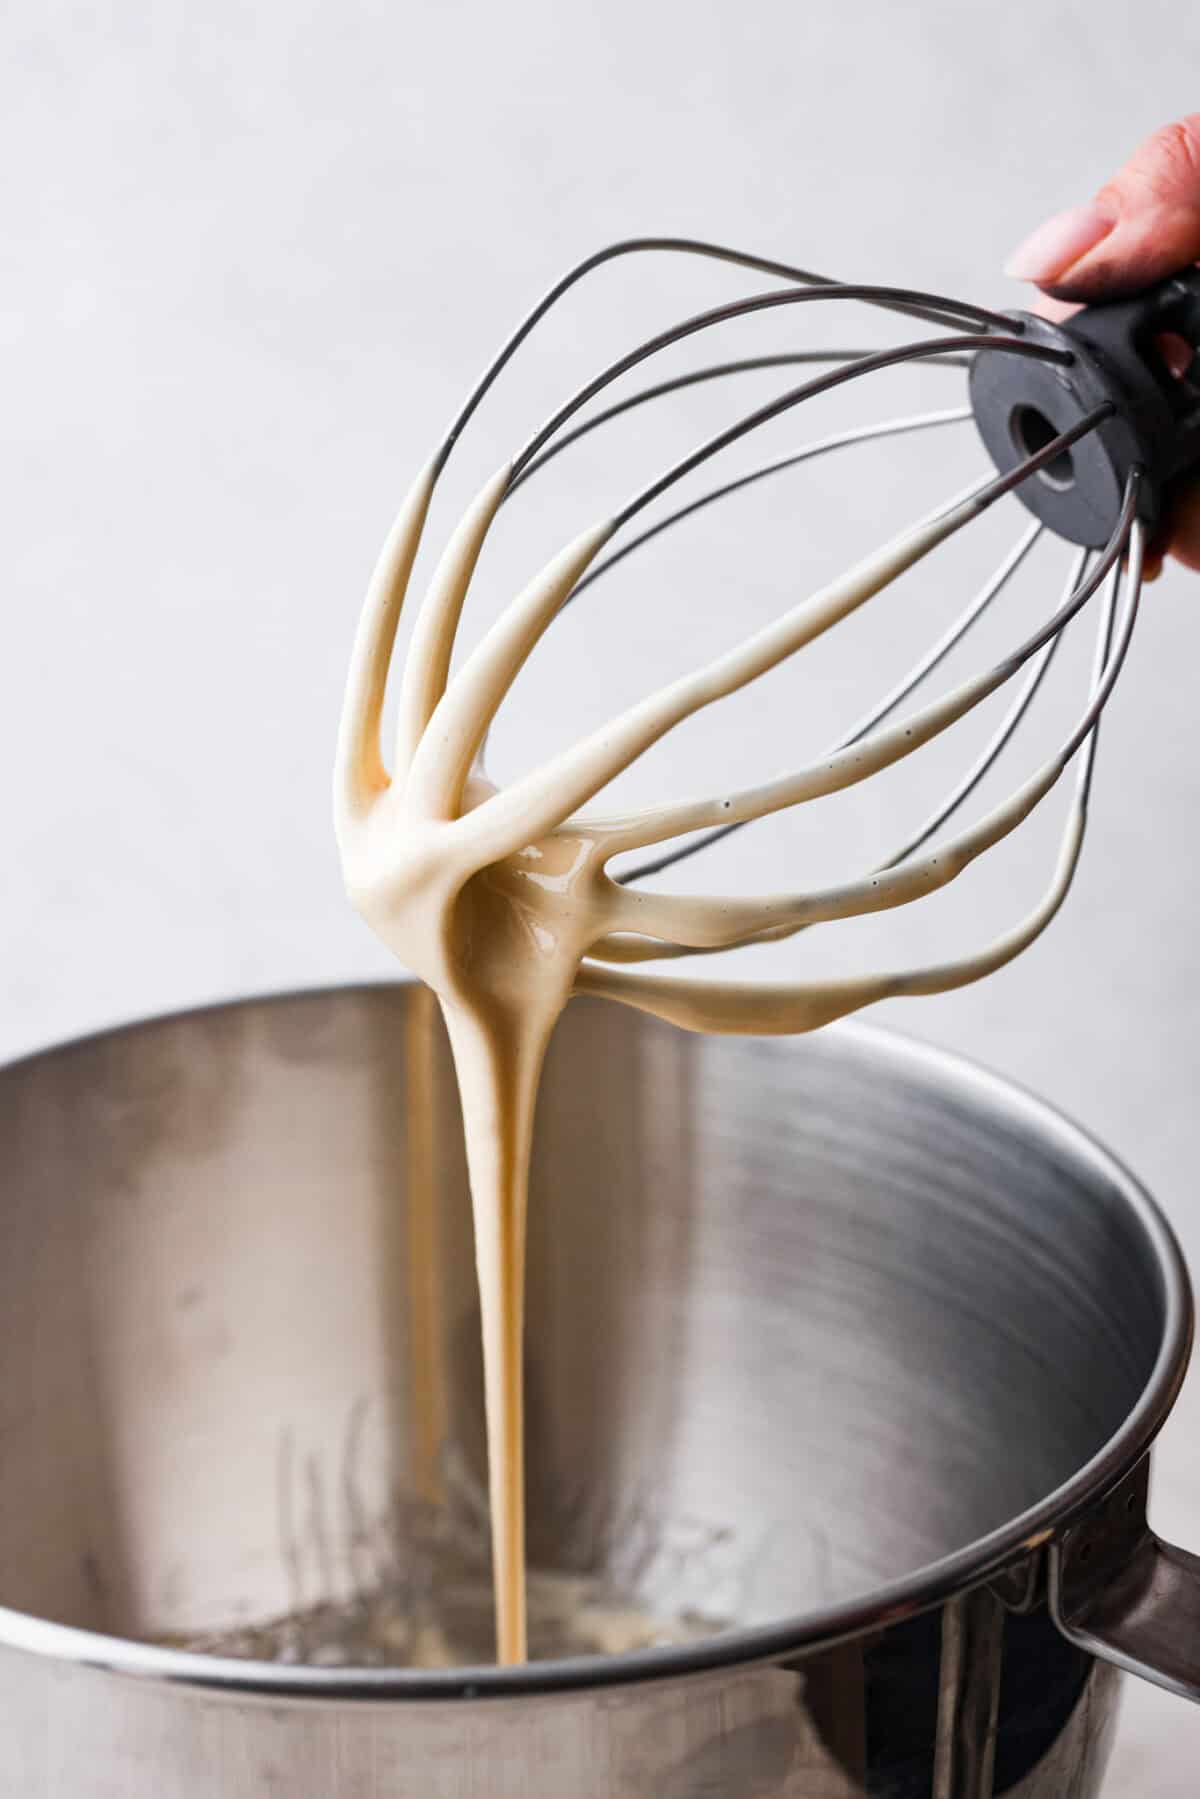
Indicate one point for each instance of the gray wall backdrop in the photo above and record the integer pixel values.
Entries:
(253, 257)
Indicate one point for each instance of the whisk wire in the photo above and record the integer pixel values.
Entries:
(695, 378)
(1106, 657)
(925, 666)
(755, 303)
(934, 308)
(923, 421)
(869, 365)
(851, 756)
(994, 747)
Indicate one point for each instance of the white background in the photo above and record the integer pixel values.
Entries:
(254, 257)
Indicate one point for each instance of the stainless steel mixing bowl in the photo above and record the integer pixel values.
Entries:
(836, 1339)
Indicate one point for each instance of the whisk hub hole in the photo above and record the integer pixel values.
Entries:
(1031, 431)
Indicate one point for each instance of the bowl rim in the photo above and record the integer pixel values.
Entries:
(921, 1590)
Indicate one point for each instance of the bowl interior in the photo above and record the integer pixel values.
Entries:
(804, 1316)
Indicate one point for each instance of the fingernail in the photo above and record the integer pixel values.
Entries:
(1058, 244)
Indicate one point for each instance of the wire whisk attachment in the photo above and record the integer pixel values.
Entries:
(1086, 427)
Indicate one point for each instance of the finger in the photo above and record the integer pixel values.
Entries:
(1057, 311)
(1141, 226)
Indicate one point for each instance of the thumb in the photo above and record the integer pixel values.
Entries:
(1142, 226)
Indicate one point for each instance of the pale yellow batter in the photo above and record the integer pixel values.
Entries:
(501, 901)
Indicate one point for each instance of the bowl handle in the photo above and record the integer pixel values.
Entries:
(1123, 1594)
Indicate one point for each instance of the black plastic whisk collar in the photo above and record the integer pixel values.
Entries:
(1118, 357)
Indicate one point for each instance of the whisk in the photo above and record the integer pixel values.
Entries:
(1086, 424)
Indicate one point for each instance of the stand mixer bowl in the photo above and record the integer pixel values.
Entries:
(836, 1341)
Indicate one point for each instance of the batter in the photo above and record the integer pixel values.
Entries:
(501, 899)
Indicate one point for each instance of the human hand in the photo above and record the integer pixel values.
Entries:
(1143, 225)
